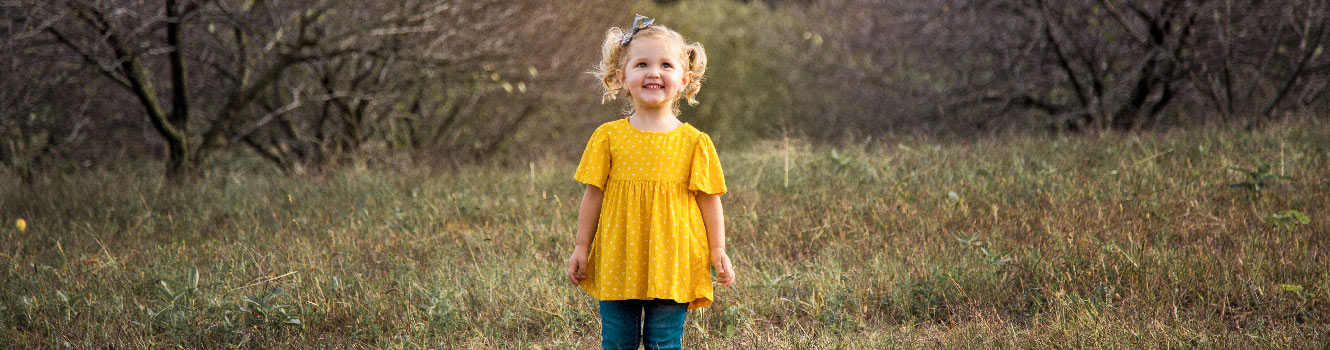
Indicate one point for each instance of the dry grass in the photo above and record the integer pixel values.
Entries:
(1035, 242)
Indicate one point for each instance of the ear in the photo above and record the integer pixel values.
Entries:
(686, 77)
(622, 79)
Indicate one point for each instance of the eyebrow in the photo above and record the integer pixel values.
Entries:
(641, 59)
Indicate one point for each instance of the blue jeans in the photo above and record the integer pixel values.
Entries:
(622, 326)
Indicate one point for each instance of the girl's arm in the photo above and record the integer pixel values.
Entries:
(714, 217)
(588, 215)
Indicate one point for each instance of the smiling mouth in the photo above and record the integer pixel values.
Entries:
(653, 86)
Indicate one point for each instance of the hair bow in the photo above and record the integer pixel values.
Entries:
(639, 22)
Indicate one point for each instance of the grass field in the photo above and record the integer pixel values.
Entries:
(1137, 241)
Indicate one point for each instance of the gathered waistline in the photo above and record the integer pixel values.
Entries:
(652, 181)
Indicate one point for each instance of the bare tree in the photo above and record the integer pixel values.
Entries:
(33, 126)
(314, 84)
(1260, 57)
(233, 67)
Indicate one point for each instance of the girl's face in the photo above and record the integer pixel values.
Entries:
(654, 74)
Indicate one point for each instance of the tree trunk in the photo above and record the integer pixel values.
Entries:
(181, 164)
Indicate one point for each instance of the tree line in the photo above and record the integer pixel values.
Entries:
(309, 85)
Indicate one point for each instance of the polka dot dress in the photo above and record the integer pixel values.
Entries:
(650, 242)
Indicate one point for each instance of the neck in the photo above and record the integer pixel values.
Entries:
(654, 113)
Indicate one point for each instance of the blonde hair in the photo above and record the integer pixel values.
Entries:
(614, 56)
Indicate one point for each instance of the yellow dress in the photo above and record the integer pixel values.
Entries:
(650, 241)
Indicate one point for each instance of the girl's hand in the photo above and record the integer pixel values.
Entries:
(577, 265)
(724, 270)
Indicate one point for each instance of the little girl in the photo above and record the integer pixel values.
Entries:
(650, 225)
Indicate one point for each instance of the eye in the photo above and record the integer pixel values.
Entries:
(667, 65)
(641, 64)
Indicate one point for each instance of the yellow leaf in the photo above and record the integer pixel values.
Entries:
(21, 224)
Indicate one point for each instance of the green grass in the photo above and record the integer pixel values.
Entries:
(1032, 242)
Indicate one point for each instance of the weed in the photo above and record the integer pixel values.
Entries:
(1258, 179)
(71, 305)
(1304, 312)
(175, 304)
(846, 165)
(926, 299)
(731, 319)
(442, 312)
(835, 316)
(262, 311)
(1287, 219)
(990, 256)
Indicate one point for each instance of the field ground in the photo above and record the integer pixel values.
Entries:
(1116, 241)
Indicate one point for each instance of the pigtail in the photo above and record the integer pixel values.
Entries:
(611, 53)
(697, 65)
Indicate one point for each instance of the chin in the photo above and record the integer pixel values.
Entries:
(655, 103)
(653, 100)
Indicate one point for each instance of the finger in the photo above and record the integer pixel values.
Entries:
(729, 273)
(722, 275)
(572, 273)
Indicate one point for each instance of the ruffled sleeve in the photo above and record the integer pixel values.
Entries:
(594, 169)
(706, 175)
